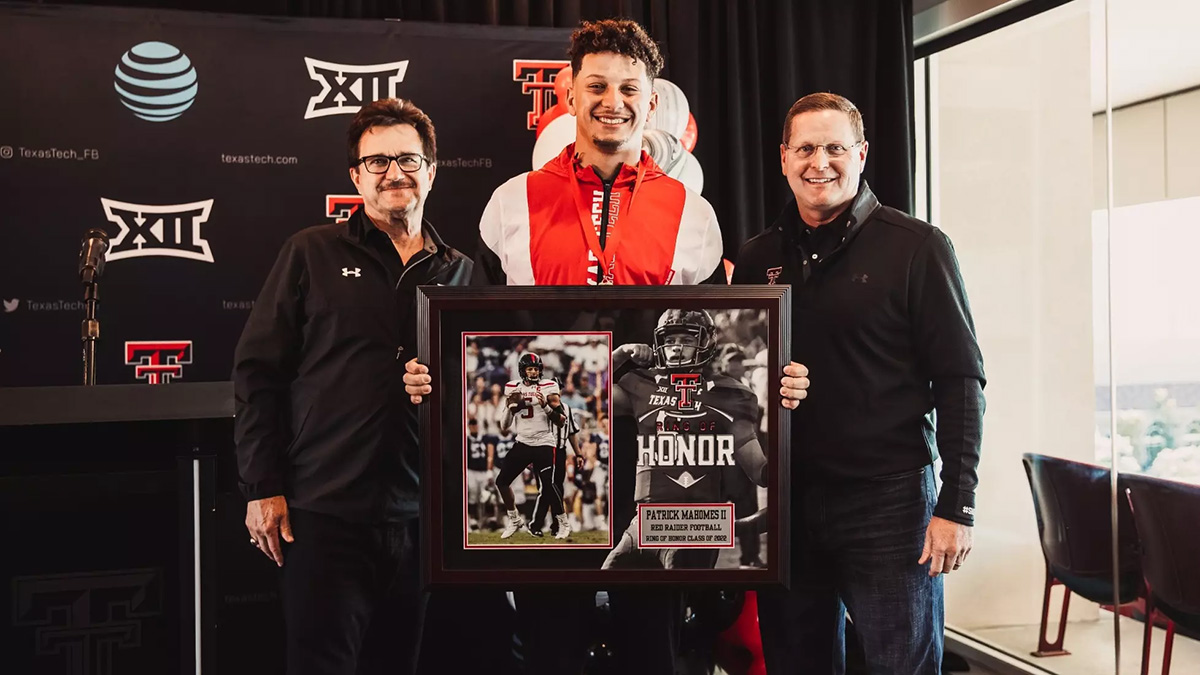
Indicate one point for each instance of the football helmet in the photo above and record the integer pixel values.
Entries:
(530, 360)
(695, 322)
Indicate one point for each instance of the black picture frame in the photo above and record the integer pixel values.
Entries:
(453, 319)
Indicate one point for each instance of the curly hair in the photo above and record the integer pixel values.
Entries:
(389, 112)
(619, 36)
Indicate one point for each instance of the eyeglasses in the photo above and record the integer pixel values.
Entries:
(408, 163)
(831, 149)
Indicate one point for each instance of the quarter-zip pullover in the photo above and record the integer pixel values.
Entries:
(322, 416)
(882, 322)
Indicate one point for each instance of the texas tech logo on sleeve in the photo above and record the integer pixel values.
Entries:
(345, 88)
(171, 230)
(158, 361)
(537, 79)
(340, 207)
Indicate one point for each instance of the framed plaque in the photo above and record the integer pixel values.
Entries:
(604, 435)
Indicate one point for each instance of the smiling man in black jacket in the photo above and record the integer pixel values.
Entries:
(326, 437)
(881, 319)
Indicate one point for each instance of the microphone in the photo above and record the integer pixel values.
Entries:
(91, 255)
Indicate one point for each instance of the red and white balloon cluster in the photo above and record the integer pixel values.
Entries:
(670, 135)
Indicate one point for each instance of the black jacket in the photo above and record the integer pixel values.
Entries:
(882, 323)
(322, 416)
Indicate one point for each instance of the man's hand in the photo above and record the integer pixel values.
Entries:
(540, 398)
(516, 400)
(417, 381)
(267, 520)
(794, 385)
(640, 354)
(579, 463)
(947, 544)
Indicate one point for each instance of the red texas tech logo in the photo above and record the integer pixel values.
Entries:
(684, 383)
(537, 79)
(340, 207)
(773, 275)
(158, 361)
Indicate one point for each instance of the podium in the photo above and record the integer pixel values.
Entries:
(109, 527)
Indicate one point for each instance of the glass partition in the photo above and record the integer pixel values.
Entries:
(1080, 301)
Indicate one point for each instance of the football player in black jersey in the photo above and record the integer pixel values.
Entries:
(692, 426)
(600, 474)
(479, 458)
(567, 444)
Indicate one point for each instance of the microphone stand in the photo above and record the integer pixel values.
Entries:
(90, 329)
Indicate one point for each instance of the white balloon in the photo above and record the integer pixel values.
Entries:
(690, 173)
(663, 148)
(675, 161)
(557, 135)
(671, 115)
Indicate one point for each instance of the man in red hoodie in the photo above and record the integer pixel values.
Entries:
(602, 212)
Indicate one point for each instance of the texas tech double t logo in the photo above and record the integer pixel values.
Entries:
(537, 79)
(158, 361)
(341, 207)
(685, 383)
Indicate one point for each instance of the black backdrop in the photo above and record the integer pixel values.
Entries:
(218, 188)
(741, 64)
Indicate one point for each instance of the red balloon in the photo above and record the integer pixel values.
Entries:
(739, 649)
(550, 115)
(562, 84)
(689, 134)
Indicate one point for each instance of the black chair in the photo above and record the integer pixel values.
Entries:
(1167, 514)
(1073, 503)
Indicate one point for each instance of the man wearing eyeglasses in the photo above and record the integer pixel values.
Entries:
(881, 319)
(326, 436)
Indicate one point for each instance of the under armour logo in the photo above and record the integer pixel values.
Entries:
(859, 278)
(356, 272)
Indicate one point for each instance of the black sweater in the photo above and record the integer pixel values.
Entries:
(883, 324)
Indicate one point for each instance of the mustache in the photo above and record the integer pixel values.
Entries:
(395, 185)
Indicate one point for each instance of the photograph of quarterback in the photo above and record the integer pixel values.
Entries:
(543, 419)
(696, 426)
(535, 411)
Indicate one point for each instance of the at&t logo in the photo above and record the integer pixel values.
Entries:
(156, 81)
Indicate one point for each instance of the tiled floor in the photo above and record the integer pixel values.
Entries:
(1091, 647)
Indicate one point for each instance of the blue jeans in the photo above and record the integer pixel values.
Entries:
(855, 547)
